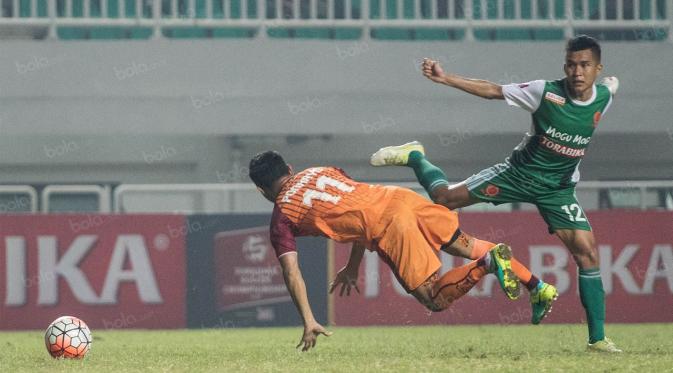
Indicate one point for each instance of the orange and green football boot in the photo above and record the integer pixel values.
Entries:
(501, 266)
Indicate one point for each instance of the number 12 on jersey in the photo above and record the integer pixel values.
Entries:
(574, 209)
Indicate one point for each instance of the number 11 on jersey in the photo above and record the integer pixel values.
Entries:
(322, 183)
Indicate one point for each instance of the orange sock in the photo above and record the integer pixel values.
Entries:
(521, 272)
(457, 282)
(482, 247)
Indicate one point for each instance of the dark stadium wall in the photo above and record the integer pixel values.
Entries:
(234, 278)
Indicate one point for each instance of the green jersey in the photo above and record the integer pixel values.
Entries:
(561, 129)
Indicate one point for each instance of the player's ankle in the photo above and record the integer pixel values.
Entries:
(487, 262)
(414, 158)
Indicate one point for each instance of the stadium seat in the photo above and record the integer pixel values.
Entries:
(377, 10)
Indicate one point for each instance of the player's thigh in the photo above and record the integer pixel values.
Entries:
(436, 223)
(453, 196)
(408, 253)
(498, 184)
(562, 211)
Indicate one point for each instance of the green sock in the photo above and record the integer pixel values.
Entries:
(429, 175)
(593, 300)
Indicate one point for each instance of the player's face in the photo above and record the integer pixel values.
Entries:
(581, 69)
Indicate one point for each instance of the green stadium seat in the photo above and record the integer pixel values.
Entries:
(546, 9)
(103, 33)
(518, 34)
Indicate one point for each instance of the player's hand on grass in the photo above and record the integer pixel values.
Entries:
(311, 333)
(348, 279)
(432, 70)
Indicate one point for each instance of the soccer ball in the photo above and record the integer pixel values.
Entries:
(68, 337)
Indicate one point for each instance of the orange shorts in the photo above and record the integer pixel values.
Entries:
(410, 234)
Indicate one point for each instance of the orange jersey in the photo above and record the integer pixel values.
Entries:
(404, 228)
(324, 201)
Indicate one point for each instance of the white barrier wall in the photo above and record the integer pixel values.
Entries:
(195, 111)
(298, 87)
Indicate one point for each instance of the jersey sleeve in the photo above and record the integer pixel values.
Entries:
(607, 106)
(527, 96)
(282, 234)
(612, 84)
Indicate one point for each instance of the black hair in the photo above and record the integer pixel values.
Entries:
(583, 42)
(267, 167)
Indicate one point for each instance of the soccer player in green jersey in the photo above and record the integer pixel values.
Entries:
(543, 169)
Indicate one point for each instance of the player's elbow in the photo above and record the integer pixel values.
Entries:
(290, 272)
(494, 92)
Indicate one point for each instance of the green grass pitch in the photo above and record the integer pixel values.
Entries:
(648, 348)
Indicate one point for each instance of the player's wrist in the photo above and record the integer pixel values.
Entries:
(449, 79)
(352, 268)
(309, 322)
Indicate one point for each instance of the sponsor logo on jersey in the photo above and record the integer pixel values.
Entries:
(522, 86)
(549, 96)
(576, 139)
(559, 149)
(491, 190)
(597, 118)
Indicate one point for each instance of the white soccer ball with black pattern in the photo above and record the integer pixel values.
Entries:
(68, 337)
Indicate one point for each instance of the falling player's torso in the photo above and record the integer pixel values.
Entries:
(324, 201)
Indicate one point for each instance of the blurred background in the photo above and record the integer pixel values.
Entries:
(114, 107)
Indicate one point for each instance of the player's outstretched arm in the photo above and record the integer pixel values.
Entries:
(347, 277)
(297, 288)
(481, 88)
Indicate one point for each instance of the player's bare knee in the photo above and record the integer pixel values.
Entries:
(424, 295)
(586, 247)
(461, 246)
(582, 245)
(437, 303)
(436, 307)
(585, 257)
(432, 306)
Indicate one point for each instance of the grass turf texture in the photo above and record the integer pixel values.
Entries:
(648, 347)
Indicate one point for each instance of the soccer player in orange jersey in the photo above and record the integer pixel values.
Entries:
(405, 229)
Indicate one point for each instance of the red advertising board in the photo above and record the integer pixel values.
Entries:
(112, 271)
(636, 260)
(247, 273)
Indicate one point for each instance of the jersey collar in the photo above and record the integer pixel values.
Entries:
(578, 102)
